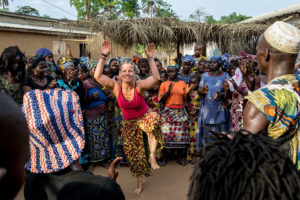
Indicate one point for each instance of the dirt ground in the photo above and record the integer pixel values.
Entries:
(170, 182)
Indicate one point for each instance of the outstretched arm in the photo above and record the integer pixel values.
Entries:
(152, 80)
(99, 77)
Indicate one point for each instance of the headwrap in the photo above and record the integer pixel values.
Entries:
(188, 58)
(284, 37)
(244, 55)
(64, 63)
(43, 52)
(33, 61)
(221, 60)
(176, 66)
(88, 63)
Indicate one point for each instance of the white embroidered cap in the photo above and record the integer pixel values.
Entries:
(284, 37)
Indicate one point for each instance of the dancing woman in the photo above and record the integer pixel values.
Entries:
(137, 116)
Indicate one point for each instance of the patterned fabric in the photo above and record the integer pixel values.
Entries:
(88, 63)
(56, 128)
(64, 63)
(134, 144)
(153, 103)
(237, 107)
(194, 69)
(117, 137)
(98, 139)
(14, 90)
(194, 106)
(279, 102)
(175, 127)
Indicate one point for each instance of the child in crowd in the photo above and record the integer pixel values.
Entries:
(193, 108)
(187, 63)
(199, 54)
(144, 68)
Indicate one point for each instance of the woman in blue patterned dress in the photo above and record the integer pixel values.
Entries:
(212, 113)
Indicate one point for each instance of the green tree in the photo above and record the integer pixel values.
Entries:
(199, 15)
(27, 10)
(87, 9)
(165, 10)
(229, 19)
(46, 16)
(233, 18)
(4, 3)
(130, 8)
(4, 9)
(210, 19)
(151, 6)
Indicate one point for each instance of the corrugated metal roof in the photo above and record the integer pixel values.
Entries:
(273, 14)
(44, 28)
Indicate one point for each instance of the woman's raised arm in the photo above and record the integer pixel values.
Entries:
(99, 77)
(155, 77)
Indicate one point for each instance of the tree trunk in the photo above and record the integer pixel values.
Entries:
(88, 9)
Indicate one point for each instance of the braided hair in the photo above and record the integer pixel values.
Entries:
(245, 167)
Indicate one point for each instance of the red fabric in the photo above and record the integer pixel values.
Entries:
(132, 109)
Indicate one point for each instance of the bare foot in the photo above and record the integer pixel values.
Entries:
(153, 162)
(138, 189)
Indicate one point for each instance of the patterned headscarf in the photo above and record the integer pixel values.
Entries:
(244, 55)
(221, 60)
(188, 58)
(64, 63)
(88, 63)
(176, 66)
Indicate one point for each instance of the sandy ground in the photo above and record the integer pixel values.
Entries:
(170, 182)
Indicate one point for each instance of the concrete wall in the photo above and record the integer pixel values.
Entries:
(30, 42)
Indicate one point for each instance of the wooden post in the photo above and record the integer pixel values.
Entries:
(178, 53)
(220, 45)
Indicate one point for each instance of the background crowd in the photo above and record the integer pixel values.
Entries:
(194, 98)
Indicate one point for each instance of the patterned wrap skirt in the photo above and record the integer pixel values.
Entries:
(98, 139)
(134, 142)
(175, 127)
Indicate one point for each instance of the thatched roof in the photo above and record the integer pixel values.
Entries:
(231, 38)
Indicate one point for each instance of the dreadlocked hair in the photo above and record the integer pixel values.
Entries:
(245, 167)
(8, 58)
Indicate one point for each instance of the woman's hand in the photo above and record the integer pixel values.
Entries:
(53, 84)
(105, 47)
(149, 51)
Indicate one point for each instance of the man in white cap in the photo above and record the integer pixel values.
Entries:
(275, 107)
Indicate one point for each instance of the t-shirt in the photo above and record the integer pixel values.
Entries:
(50, 186)
(177, 95)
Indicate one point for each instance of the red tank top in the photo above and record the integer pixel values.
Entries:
(132, 109)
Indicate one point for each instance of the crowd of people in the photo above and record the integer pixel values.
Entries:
(81, 113)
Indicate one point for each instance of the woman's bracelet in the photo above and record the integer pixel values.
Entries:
(104, 58)
(102, 54)
(150, 58)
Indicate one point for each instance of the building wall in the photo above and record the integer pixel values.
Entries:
(30, 42)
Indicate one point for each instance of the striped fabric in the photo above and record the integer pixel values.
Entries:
(56, 127)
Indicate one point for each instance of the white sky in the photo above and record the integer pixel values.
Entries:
(183, 8)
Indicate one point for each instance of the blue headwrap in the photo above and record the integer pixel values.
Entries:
(188, 58)
(176, 66)
(88, 63)
(221, 60)
(43, 52)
